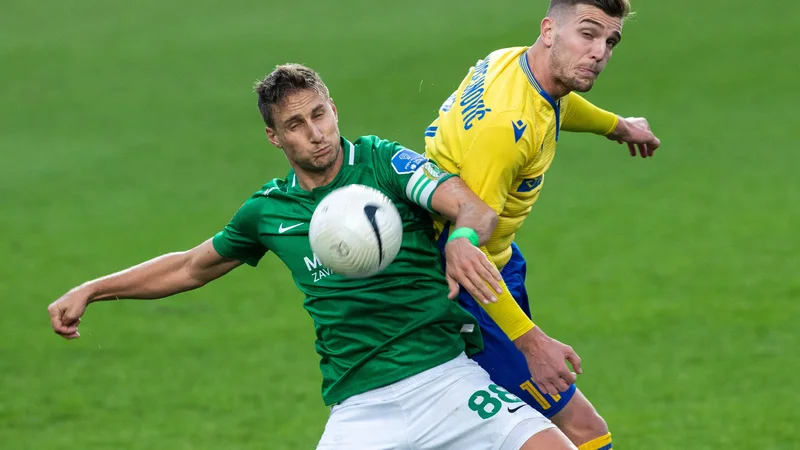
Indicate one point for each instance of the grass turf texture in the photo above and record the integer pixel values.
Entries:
(129, 129)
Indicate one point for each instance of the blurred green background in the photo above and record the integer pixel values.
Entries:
(129, 129)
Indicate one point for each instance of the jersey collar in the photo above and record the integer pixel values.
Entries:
(349, 152)
(523, 62)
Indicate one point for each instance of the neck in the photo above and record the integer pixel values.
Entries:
(539, 62)
(309, 180)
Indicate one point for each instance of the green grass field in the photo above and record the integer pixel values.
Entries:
(129, 129)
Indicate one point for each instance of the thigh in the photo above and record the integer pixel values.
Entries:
(466, 409)
(551, 439)
(375, 425)
(501, 358)
(508, 368)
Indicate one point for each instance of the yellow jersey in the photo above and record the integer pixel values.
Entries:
(498, 131)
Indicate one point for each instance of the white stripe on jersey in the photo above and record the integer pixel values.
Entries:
(427, 190)
(412, 183)
(352, 159)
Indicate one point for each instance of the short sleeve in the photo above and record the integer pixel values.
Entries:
(239, 239)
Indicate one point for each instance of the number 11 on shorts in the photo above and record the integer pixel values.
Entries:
(487, 405)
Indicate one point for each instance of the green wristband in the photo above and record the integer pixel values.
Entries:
(464, 232)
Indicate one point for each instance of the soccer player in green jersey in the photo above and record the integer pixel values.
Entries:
(394, 349)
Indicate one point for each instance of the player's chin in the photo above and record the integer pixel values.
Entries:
(326, 161)
(582, 84)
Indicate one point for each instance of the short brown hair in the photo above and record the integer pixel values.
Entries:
(614, 8)
(284, 80)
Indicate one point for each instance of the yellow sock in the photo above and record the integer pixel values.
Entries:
(601, 443)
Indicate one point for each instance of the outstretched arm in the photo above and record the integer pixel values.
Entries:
(159, 277)
(580, 115)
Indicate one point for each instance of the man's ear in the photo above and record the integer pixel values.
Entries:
(547, 31)
(335, 111)
(273, 137)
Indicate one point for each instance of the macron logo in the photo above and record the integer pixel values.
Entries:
(519, 128)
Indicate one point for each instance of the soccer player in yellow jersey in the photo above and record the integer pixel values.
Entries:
(498, 132)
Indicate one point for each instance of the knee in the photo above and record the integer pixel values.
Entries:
(589, 425)
(583, 425)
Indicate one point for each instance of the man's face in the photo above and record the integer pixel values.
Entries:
(583, 39)
(307, 129)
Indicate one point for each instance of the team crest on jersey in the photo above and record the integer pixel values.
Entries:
(407, 161)
(432, 171)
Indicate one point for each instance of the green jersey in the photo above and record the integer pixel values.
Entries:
(375, 331)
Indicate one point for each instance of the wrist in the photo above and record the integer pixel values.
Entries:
(89, 291)
(620, 130)
(464, 232)
(530, 339)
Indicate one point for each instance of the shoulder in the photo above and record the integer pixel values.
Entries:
(276, 184)
(388, 153)
(502, 55)
(264, 196)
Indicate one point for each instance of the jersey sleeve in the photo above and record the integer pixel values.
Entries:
(491, 163)
(239, 239)
(582, 115)
(407, 174)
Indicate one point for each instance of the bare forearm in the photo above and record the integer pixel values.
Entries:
(163, 276)
(456, 202)
(157, 278)
(482, 220)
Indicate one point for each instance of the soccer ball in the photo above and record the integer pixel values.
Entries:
(356, 231)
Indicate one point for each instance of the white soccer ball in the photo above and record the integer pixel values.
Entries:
(356, 231)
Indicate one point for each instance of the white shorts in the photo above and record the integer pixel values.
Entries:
(452, 406)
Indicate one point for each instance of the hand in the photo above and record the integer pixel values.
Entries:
(545, 357)
(66, 312)
(635, 131)
(468, 266)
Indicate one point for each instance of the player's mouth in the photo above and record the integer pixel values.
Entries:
(323, 151)
(588, 72)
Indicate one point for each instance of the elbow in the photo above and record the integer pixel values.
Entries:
(491, 219)
(192, 275)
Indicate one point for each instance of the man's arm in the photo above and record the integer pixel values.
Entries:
(582, 116)
(159, 277)
(168, 274)
(163, 276)
(467, 265)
